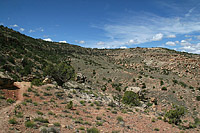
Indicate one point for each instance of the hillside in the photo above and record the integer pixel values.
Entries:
(59, 87)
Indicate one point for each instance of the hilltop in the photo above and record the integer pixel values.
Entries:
(67, 88)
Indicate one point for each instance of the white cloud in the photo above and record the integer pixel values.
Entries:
(157, 37)
(48, 39)
(192, 48)
(21, 29)
(185, 43)
(14, 25)
(100, 43)
(81, 42)
(147, 27)
(30, 31)
(1, 23)
(123, 47)
(131, 42)
(171, 36)
(62, 41)
(177, 42)
(169, 43)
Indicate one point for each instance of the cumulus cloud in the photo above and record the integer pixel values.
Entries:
(177, 42)
(147, 27)
(171, 36)
(100, 43)
(62, 41)
(15, 25)
(21, 29)
(30, 31)
(48, 39)
(185, 43)
(169, 43)
(157, 37)
(123, 47)
(80, 42)
(192, 48)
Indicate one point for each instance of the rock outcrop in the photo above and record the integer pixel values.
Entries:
(6, 81)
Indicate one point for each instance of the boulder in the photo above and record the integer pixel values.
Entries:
(80, 78)
(6, 81)
(71, 85)
(134, 89)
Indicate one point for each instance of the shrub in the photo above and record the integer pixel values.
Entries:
(98, 118)
(51, 113)
(30, 124)
(175, 81)
(119, 119)
(39, 112)
(131, 98)
(104, 88)
(161, 83)
(98, 123)
(19, 115)
(164, 88)
(70, 105)
(9, 100)
(36, 82)
(25, 95)
(61, 72)
(12, 121)
(93, 130)
(183, 84)
(175, 114)
(57, 124)
(198, 98)
(41, 119)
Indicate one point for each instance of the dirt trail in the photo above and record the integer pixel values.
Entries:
(4, 113)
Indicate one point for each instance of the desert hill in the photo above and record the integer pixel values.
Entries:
(59, 87)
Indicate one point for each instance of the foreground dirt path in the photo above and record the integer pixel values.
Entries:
(4, 113)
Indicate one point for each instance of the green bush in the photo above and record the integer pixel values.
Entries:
(175, 114)
(39, 112)
(175, 81)
(61, 72)
(93, 130)
(12, 121)
(161, 83)
(41, 119)
(198, 98)
(183, 84)
(164, 88)
(70, 105)
(36, 82)
(30, 124)
(131, 98)
(119, 119)
(9, 100)
(56, 124)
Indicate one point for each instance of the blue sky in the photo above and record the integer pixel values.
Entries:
(173, 24)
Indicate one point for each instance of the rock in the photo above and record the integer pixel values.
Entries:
(134, 89)
(122, 123)
(6, 81)
(53, 130)
(47, 80)
(71, 85)
(80, 78)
